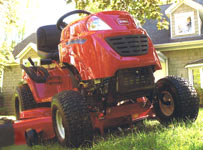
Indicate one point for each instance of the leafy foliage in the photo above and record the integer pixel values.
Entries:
(7, 11)
(9, 25)
(141, 10)
(5, 53)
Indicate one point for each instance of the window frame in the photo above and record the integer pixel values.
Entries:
(177, 22)
(190, 75)
(2, 79)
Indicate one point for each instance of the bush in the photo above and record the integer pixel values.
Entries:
(200, 94)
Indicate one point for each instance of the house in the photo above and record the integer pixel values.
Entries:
(180, 49)
(11, 74)
(182, 44)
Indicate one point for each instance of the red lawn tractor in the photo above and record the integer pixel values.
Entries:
(100, 75)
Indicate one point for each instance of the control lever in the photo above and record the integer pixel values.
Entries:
(32, 63)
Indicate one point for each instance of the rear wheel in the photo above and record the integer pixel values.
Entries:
(23, 99)
(71, 119)
(176, 99)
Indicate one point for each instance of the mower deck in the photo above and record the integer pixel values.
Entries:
(40, 120)
(122, 115)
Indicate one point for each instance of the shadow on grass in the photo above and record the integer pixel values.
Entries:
(145, 126)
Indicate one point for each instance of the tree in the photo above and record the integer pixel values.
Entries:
(140, 9)
(5, 53)
(8, 24)
(11, 24)
(8, 15)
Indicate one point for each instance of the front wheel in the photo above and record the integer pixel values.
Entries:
(71, 119)
(175, 99)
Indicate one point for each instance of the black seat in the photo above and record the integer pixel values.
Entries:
(48, 38)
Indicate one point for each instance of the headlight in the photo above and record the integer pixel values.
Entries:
(137, 22)
(94, 24)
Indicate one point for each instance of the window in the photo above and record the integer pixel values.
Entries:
(27, 63)
(184, 23)
(196, 76)
(1, 79)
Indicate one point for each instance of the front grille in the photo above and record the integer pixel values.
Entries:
(129, 45)
(135, 79)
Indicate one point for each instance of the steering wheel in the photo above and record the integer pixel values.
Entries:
(61, 24)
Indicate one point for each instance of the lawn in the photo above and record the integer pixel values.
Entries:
(149, 135)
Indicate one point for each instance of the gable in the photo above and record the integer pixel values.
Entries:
(183, 8)
(185, 22)
(192, 3)
(30, 53)
(22, 45)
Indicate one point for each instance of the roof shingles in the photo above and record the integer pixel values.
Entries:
(199, 1)
(20, 46)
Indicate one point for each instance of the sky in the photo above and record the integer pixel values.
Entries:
(36, 13)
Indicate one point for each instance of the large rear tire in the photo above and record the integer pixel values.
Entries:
(71, 119)
(23, 99)
(176, 100)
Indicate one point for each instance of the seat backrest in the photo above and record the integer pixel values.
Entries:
(48, 38)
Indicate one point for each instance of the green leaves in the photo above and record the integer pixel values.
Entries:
(8, 25)
(5, 53)
(140, 9)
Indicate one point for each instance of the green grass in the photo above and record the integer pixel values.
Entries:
(150, 135)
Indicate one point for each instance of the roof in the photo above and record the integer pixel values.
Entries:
(196, 63)
(20, 46)
(163, 36)
(158, 36)
(200, 61)
(199, 1)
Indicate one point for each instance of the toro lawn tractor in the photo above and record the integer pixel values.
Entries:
(100, 75)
